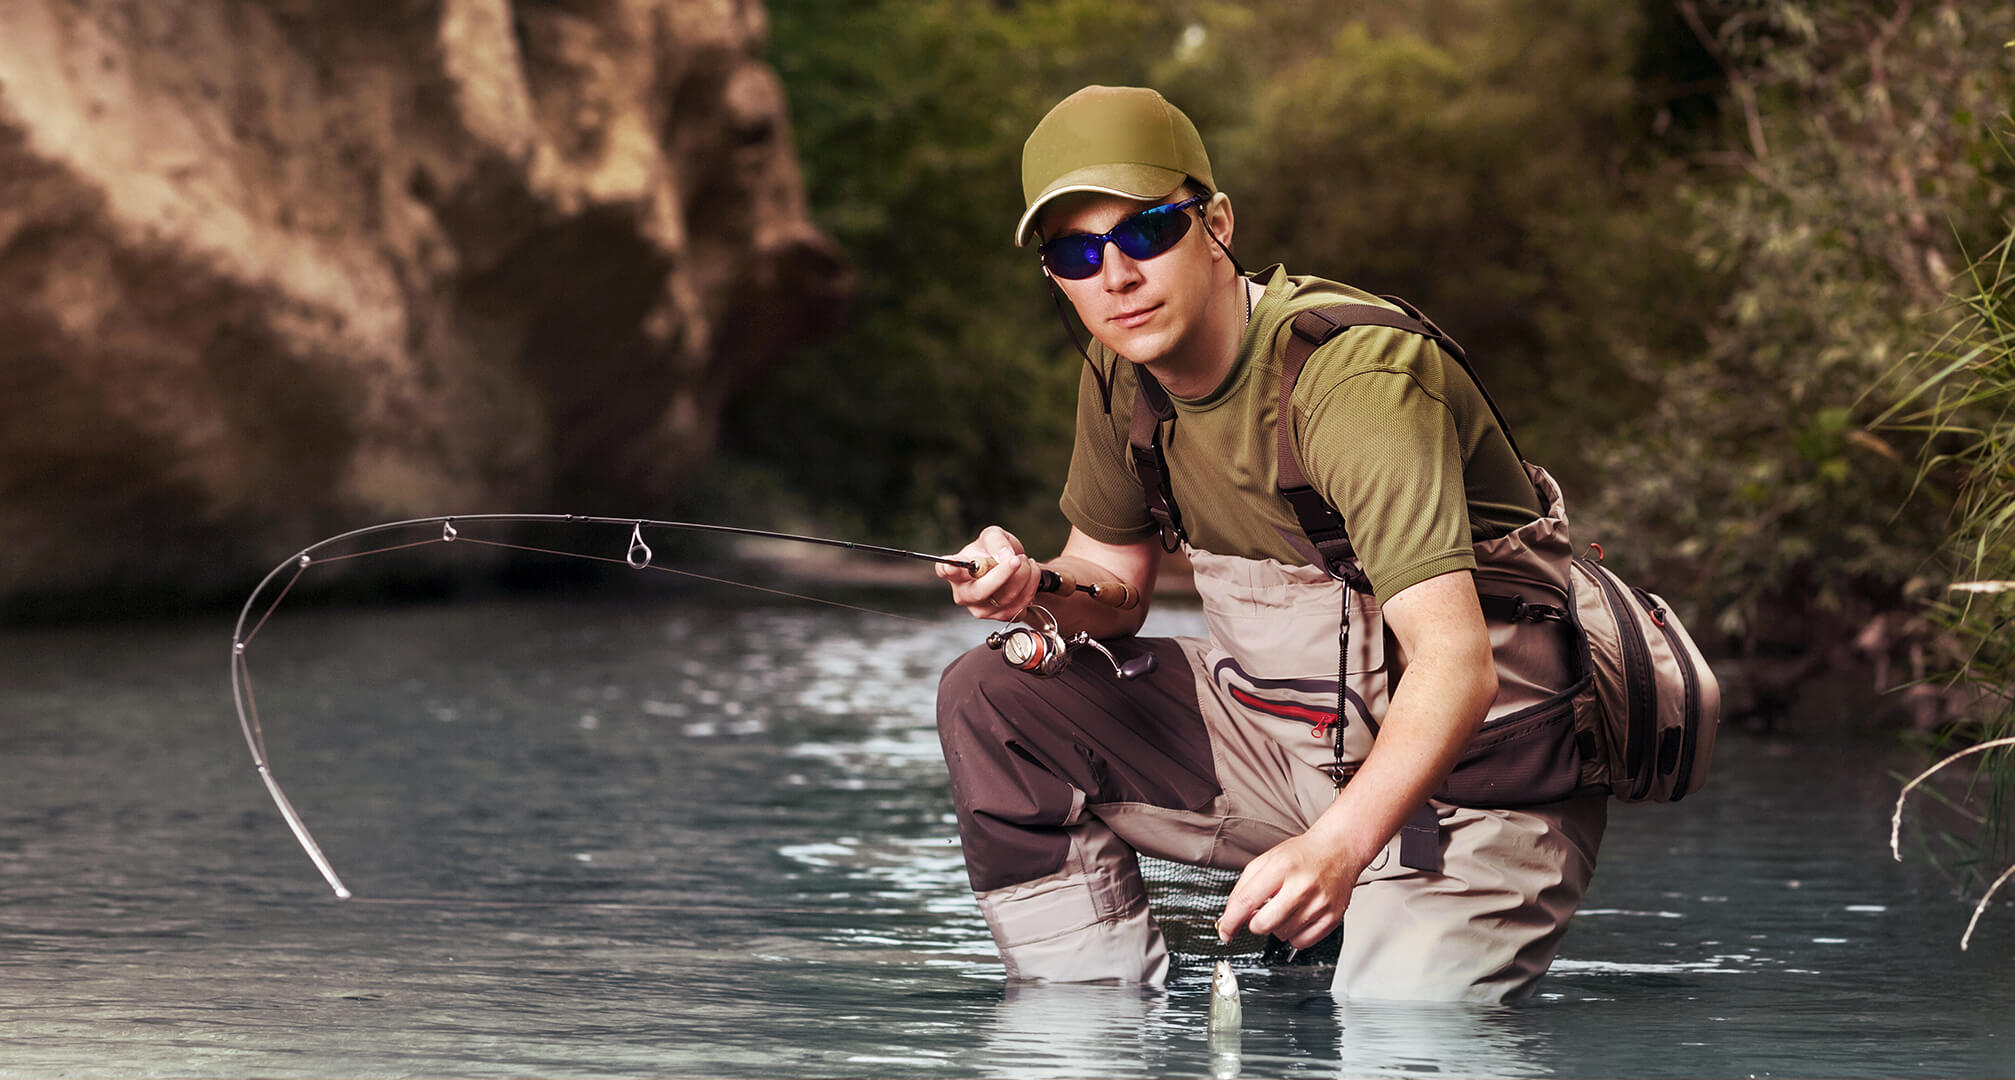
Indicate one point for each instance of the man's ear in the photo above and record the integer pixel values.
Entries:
(1218, 218)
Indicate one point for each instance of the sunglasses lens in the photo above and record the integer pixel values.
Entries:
(1074, 257)
(1151, 232)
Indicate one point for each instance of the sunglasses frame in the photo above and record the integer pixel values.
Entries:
(1094, 244)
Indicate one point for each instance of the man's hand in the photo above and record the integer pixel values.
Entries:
(1013, 582)
(1297, 892)
(1003, 591)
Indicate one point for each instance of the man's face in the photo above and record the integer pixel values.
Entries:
(1147, 310)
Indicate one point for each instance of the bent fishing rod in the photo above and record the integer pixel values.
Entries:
(1036, 645)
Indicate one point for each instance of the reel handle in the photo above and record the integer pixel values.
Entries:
(1112, 594)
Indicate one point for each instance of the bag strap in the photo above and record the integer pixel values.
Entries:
(1316, 326)
(1151, 407)
(1320, 522)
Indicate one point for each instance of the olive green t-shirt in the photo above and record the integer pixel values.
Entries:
(1392, 431)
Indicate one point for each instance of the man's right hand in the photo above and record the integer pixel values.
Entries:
(1004, 590)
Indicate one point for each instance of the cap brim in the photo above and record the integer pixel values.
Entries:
(1125, 181)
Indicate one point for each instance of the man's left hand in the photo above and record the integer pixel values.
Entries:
(1297, 892)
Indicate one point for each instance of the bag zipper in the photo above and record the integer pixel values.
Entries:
(1682, 775)
(1636, 682)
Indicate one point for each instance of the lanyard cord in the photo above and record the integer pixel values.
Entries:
(1342, 681)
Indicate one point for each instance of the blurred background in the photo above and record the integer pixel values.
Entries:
(273, 269)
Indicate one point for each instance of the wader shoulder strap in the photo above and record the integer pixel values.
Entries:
(1321, 522)
(1151, 407)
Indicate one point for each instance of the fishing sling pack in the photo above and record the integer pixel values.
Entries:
(1644, 703)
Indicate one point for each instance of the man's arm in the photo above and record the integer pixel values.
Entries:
(1002, 592)
(1299, 889)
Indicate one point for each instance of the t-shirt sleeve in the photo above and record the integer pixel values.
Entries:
(1384, 450)
(1101, 497)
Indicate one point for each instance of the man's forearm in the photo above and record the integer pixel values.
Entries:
(1437, 710)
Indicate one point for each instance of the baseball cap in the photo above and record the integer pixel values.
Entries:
(1114, 140)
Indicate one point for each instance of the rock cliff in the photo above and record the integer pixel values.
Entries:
(274, 268)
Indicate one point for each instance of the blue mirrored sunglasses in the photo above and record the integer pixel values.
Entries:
(1142, 236)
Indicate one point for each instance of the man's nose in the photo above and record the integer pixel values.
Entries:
(1117, 269)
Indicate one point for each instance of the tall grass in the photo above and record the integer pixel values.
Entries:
(1963, 407)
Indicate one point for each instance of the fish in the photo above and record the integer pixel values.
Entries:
(1226, 1014)
(1226, 1018)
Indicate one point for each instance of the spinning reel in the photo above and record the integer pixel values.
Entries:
(1037, 646)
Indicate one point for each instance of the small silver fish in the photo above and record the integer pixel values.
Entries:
(1226, 1016)
(1225, 1012)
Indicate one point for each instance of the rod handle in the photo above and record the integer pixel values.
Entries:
(1111, 593)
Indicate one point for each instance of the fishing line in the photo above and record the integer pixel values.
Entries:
(700, 577)
(609, 905)
(638, 556)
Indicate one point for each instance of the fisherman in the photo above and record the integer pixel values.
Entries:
(1232, 752)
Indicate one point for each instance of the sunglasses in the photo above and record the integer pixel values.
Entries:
(1142, 236)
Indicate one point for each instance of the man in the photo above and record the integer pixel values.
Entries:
(1232, 753)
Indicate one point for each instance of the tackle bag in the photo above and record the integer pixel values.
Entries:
(1647, 721)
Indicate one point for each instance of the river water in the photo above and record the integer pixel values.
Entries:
(695, 836)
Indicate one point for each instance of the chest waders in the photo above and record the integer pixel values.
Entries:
(1530, 751)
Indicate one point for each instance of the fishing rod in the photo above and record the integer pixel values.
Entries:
(1039, 648)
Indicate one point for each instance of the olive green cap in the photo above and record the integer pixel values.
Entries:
(1113, 140)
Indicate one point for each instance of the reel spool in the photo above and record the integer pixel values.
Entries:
(1036, 645)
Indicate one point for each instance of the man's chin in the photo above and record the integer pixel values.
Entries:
(1146, 349)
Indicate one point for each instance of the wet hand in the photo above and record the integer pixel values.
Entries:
(1007, 587)
(1296, 892)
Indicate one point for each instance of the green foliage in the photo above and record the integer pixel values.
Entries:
(1388, 145)
(1959, 397)
(1857, 168)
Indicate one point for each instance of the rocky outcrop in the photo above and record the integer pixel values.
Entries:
(273, 268)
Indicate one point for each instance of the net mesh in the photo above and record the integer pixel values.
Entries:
(1186, 901)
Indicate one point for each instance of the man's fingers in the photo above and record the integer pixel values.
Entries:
(1263, 921)
(993, 540)
(1006, 564)
(1255, 887)
(1000, 593)
(1312, 934)
(1295, 916)
(990, 590)
(996, 589)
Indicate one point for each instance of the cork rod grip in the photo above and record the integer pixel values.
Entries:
(1111, 593)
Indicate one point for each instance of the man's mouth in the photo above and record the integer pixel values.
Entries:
(1130, 319)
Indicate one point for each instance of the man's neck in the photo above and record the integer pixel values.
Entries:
(1194, 373)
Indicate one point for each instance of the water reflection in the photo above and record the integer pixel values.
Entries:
(1385, 1038)
(1044, 1029)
